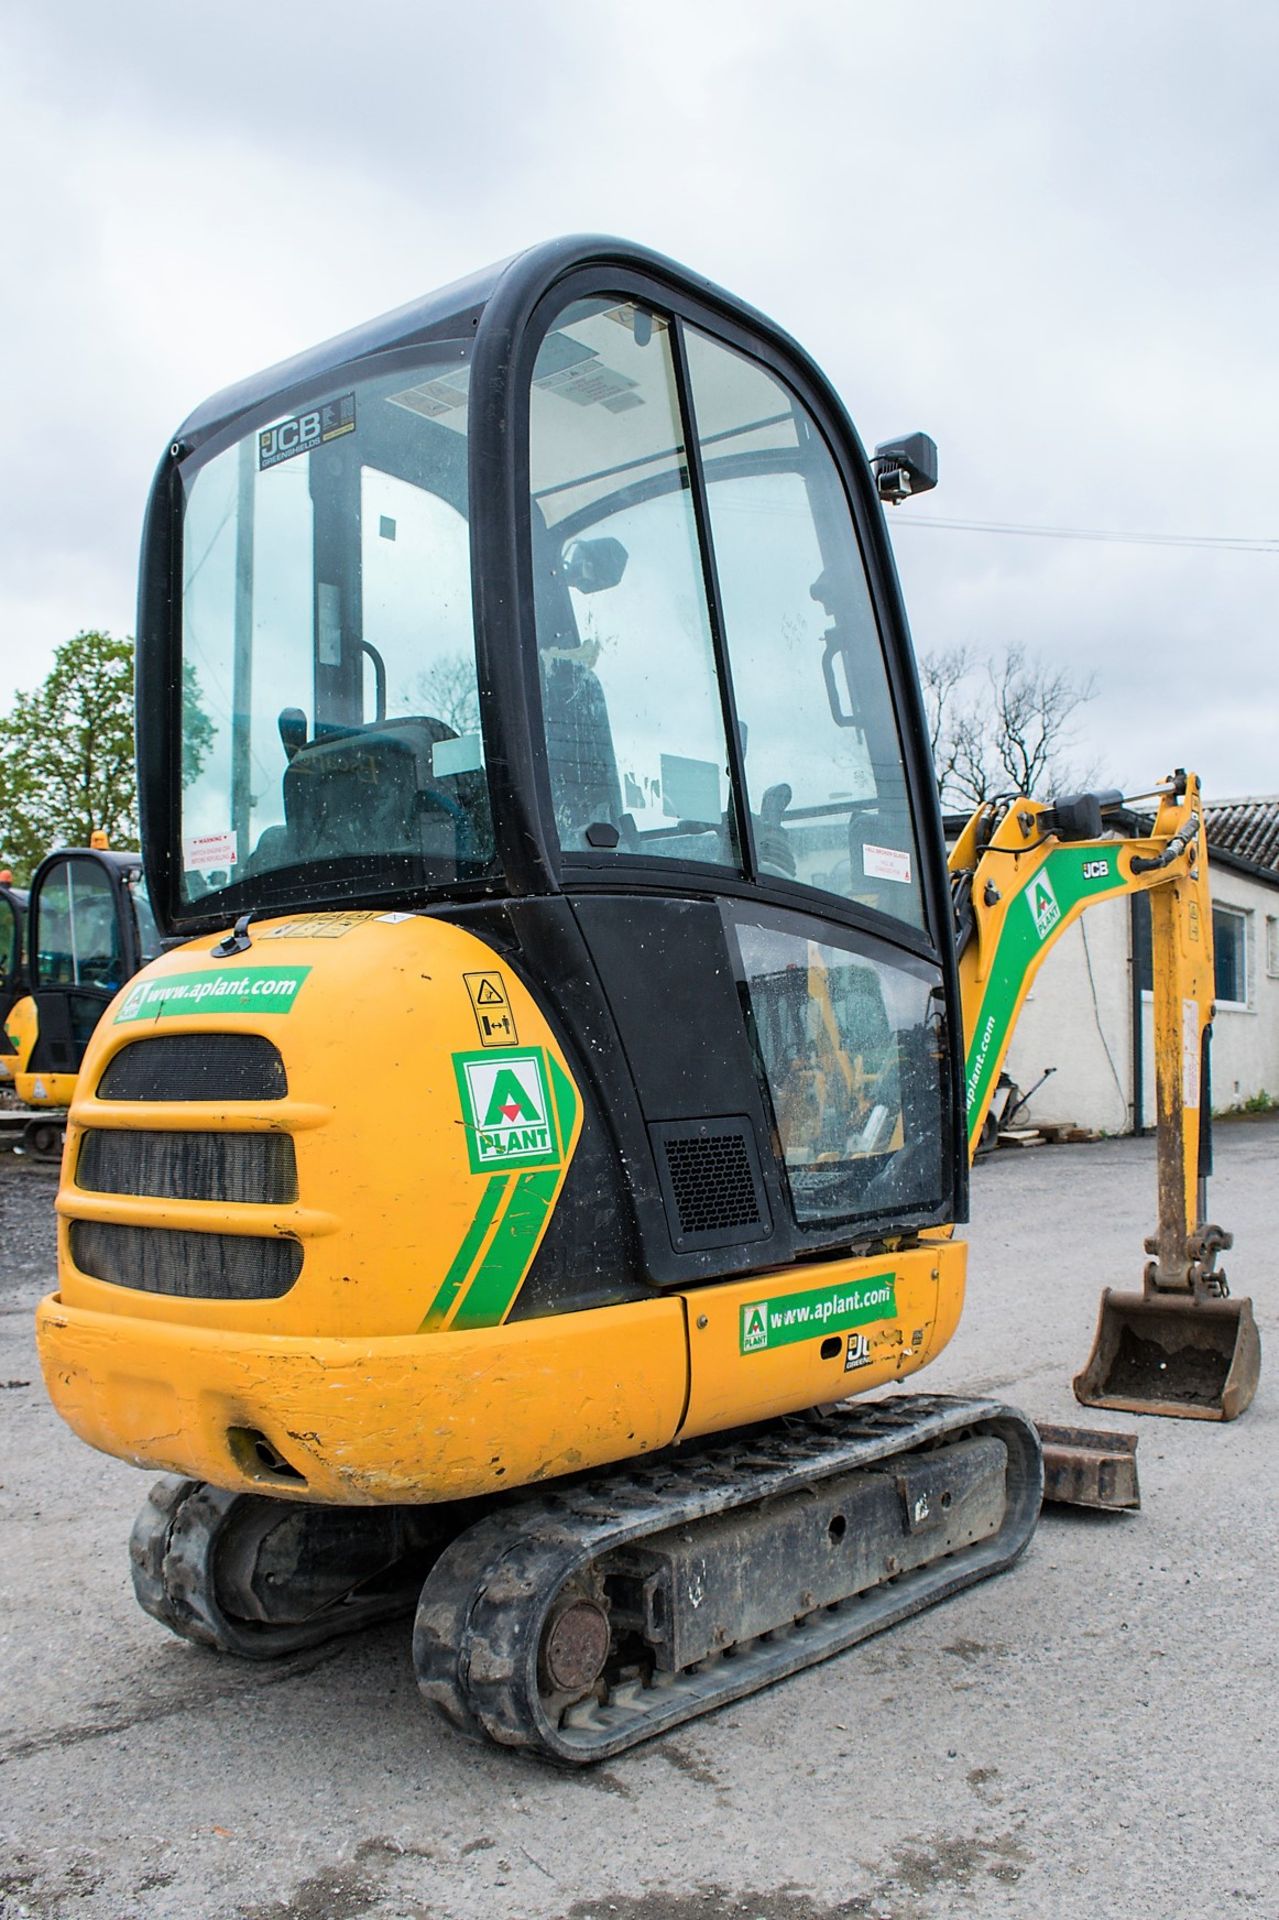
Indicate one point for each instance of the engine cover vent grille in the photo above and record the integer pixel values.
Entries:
(193, 1266)
(711, 1182)
(259, 1169)
(196, 1066)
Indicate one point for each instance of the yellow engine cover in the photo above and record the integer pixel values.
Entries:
(20, 1026)
(432, 1116)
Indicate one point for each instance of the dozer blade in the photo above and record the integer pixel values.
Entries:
(1090, 1467)
(1193, 1358)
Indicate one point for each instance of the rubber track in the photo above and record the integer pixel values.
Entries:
(173, 1552)
(483, 1607)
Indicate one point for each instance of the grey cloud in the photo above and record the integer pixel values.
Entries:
(1043, 233)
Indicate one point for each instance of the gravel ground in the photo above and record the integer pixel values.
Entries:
(1090, 1737)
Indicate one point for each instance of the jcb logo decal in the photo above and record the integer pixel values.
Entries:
(304, 431)
(290, 437)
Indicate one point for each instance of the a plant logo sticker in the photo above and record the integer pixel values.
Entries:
(1042, 901)
(507, 1111)
(755, 1326)
(819, 1310)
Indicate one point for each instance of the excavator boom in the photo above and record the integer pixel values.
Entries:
(1022, 872)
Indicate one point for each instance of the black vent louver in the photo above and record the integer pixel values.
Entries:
(192, 1266)
(255, 1169)
(711, 1182)
(196, 1066)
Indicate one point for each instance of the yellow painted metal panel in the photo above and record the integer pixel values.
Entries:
(755, 1345)
(408, 1419)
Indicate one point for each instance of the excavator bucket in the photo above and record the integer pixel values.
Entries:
(1161, 1352)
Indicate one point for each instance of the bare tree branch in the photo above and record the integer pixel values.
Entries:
(1010, 732)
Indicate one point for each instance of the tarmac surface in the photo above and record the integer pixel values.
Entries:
(1091, 1736)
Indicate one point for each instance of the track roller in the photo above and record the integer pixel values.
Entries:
(583, 1621)
(261, 1577)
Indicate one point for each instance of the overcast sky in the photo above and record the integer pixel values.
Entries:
(1045, 233)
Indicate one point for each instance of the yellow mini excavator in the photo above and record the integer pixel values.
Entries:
(89, 927)
(13, 978)
(557, 1115)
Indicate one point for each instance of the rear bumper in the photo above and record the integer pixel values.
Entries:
(409, 1419)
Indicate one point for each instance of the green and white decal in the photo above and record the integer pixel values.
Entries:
(229, 990)
(507, 1109)
(527, 1095)
(1067, 876)
(821, 1310)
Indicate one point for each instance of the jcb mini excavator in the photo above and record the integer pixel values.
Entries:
(560, 1105)
(89, 928)
(13, 979)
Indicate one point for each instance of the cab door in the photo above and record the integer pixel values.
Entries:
(12, 974)
(84, 945)
(739, 790)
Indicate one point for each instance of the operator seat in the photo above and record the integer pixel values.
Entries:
(582, 764)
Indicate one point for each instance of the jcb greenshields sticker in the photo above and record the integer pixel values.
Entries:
(507, 1107)
(804, 1316)
(229, 990)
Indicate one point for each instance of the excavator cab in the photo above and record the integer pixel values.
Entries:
(561, 606)
(90, 928)
(13, 979)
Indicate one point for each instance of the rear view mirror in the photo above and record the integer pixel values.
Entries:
(905, 467)
(591, 566)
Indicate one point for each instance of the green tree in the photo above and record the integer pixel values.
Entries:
(66, 754)
(197, 728)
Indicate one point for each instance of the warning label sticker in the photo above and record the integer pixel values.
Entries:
(435, 399)
(208, 852)
(886, 863)
(492, 1009)
(1190, 1051)
(314, 926)
(576, 372)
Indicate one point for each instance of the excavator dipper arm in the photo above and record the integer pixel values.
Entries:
(1022, 872)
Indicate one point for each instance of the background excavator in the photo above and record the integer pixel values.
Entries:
(561, 755)
(89, 927)
(13, 978)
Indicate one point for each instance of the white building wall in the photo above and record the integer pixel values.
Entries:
(1245, 1038)
(1081, 1024)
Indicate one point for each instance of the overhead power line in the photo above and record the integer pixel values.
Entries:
(1219, 542)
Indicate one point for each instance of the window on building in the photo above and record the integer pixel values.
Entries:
(1272, 945)
(1230, 952)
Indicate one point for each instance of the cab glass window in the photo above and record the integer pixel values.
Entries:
(330, 735)
(78, 929)
(824, 774)
(634, 719)
(10, 944)
(149, 941)
(851, 1051)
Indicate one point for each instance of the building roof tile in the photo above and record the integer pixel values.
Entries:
(1249, 829)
